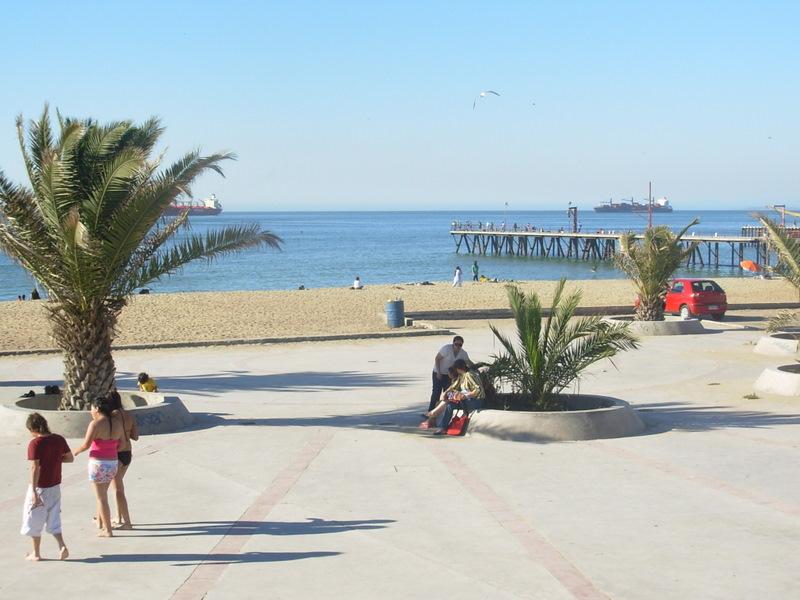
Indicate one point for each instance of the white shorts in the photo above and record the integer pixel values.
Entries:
(48, 513)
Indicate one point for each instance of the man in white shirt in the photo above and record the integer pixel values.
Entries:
(445, 358)
(357, 285)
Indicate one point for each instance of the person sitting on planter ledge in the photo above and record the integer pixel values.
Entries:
(469, 395)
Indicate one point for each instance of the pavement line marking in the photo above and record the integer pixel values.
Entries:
(539, 549)
(787, 508)
(207, 573)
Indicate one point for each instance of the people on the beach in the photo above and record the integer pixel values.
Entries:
(35, 294)
(475, 270)
(147, 383)
(357, 285)
(103, 438)
(124, 455)
(42, 508)
(445, 358)
(457, 274)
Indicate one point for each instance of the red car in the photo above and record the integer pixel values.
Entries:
(696, 298)
(691, 297)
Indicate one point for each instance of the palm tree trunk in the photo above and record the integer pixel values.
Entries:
(650, 309)
(85, 338)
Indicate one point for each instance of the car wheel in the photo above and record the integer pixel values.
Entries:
(685, 312)
(718, 316)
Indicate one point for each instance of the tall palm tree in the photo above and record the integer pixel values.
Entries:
(552, 352)
(90, 231)
(788, 251)
(650, 263)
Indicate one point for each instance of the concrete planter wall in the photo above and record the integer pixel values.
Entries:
(783, 381)
(669, 326)
(777, 344)
(589, 418)
(154, 413)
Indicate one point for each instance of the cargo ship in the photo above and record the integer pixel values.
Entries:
(206, 207)
(661, 205)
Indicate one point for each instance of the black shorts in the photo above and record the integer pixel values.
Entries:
(125, 457)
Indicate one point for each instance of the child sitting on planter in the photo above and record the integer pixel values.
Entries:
(147, 383)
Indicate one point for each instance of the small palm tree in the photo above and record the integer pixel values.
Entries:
(552, 353)
(788, 251)
(651, 263)
(90, 230)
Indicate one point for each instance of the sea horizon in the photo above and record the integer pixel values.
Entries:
(329, 248)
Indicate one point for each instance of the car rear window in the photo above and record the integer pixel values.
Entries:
(705, 286)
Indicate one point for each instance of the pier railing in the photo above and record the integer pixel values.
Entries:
(710, 251)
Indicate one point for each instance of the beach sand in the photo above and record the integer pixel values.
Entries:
(201, 316)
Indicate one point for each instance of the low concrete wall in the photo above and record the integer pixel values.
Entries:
(669, 326)
(777, 344)
(614, 418)
(154, 413)
(783, 381)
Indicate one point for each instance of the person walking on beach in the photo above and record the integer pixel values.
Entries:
(103, 437)
(457, 277)
(46, 452)
(445, 358)
(124, 456)
(475, 270)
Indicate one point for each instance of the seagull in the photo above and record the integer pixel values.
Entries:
(483, 95)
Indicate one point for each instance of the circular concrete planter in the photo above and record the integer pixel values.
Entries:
(777, 344)
(783, 380)
(154, 413)
(669, 326)
(588, 418)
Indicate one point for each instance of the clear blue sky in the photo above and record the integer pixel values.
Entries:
(368, 105)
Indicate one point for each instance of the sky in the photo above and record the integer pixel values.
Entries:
(369, 105)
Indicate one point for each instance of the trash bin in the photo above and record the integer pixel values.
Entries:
(395, 313)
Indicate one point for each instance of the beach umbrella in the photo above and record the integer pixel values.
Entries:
(749, 265)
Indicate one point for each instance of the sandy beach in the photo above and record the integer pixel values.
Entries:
(186, 317)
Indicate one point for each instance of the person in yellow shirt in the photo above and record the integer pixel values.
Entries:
(147, 383)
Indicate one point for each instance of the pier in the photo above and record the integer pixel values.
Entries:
(710, 251)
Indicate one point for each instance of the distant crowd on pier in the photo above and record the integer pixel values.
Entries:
(490, 226)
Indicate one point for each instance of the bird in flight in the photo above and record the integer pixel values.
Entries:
(483, 95)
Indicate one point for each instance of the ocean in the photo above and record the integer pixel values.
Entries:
(328, 249)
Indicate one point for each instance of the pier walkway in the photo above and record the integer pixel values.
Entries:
(710, 251)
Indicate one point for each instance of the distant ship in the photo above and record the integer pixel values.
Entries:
(206, 207)
(660, 205)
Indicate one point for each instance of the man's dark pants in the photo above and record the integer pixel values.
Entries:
(440, 383)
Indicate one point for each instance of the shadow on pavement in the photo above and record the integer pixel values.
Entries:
(189, 560)
(388, 420)
(221, 528)
(664, 416)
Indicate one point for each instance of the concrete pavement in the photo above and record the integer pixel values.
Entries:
(305, 477)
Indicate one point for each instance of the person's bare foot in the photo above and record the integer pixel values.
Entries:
(33, 557)
(125, 526)
(63, 553)
(104, 533)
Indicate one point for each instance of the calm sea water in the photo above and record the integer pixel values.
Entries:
(328, 249)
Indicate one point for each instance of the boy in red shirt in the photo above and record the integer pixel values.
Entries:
(46, 451)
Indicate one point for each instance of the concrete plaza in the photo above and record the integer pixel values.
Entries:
(305, 477)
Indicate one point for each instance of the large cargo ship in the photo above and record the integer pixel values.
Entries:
(206, 207)
(660, 205)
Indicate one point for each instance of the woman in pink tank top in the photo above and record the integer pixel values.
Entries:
(102, 440)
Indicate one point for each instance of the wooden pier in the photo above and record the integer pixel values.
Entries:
(711, 251)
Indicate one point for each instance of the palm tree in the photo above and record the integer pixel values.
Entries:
(90, 231)
(650, 263)
(552, 353)
(788, 251)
